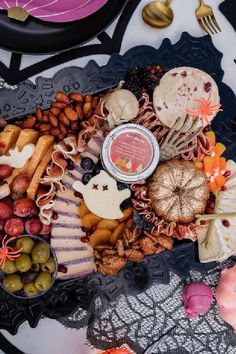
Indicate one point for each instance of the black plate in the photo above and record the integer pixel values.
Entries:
(36, 36)
(134, 278)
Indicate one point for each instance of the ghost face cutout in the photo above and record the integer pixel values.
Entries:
(102, 196)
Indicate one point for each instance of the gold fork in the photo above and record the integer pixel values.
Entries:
(206, 19)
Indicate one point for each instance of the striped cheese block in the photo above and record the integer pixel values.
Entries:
(74, 255)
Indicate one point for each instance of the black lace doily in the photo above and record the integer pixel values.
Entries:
(66, 297)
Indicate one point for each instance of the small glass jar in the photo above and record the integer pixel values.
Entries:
(130, 153)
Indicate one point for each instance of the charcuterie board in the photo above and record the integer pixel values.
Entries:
(130, 272)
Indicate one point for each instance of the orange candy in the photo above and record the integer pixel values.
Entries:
(219, 149)
(208, 165)
(220, 180)
(212, 137)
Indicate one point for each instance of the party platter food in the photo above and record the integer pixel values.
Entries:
(76, 174)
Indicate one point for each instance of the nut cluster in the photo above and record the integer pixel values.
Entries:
(133, 245)
(64, 116)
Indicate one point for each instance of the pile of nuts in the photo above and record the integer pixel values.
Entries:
(64, 116)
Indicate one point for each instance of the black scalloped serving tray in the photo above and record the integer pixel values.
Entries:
(134, 278)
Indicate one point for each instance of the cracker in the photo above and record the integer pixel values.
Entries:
(43, 145)
(34, 184)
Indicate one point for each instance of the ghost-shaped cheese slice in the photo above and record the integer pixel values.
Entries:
(102, 196)
(16, 158)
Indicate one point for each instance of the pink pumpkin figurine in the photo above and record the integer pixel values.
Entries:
(197, 299)
(226, 296)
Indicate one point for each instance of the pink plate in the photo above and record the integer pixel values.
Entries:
(55, 10)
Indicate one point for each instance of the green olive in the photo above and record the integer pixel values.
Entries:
(30, 289)
(25, 243)
(13, 283)
(40, 252)
(23, 263)
(9, 267)
(43, 281)
(35, 266)
(49, 266)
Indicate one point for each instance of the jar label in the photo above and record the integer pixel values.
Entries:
(131, 153)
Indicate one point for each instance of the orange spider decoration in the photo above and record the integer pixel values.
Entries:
(7, 252)
(204, 110)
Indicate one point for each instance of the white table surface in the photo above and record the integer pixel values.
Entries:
(50, 336)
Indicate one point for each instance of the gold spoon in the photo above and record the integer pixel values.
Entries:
(158, 14)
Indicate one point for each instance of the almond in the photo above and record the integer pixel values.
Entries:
(79, 112)
(39, 114)
(53, 120)
(95, 102)
(37, 125)
(59, 105)
(75, 125)
(62, 129)
(29, 123)
(87, 107)
(55, 111)
(71, 114)
(44, 127)
(88, 98)
(62, 97)
(45, 118)
(64, 120)
(55, 131)
(60, 137)
(76, 97)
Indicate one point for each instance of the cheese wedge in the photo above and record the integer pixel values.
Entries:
(27, 136)
(8, 138)
(43, 145)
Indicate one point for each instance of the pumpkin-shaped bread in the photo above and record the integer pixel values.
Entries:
(178, 191)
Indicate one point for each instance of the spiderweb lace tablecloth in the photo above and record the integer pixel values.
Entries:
(157, 316)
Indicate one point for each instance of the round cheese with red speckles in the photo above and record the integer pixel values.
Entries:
(183, 91)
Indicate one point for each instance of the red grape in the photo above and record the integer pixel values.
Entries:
(8, 200)
(20, 184)
(6, 211)
(5, 171)
(46, 229)
(33, 226)
(14, 227)
(35, 211)
(23, 207)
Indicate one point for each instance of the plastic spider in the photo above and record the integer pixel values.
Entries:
(205, 109)
(7, 252)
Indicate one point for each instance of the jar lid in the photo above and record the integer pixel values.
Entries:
(130, 153)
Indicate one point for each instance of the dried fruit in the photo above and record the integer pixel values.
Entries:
(90, 220)
(83, 210)
(127, 214)
(99, 237)
(117, 233)
(108, 224)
